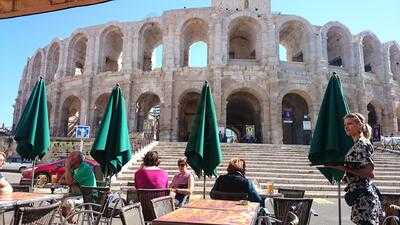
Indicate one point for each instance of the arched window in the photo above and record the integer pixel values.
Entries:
(198, 53)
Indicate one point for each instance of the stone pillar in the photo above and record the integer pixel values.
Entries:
(128, 58)
(62, 61)
(167, 109)
(276, 131)
(92, 54)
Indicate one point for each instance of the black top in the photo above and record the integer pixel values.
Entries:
(237, 183)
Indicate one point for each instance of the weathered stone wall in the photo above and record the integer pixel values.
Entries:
(260, 74)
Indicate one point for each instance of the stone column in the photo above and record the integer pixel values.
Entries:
(276, 131)
(128, 59)
(62, 61)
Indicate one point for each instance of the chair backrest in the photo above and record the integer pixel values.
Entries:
(145, 196)
(390, 199)
(21, 187)
(291, 193)
(132, 215)
(36, 215)
(162, 206)
(230, 196)
(96, 195)
(299, 206)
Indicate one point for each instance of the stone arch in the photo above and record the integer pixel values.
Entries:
(36, 67)
(77, 55)
(371, 52)
(99, 108)
(111, 45)
(53, 59)
(244, 38)
(71, 112)
(394, 60)
(148, 114)
(338, 44)
(294, 34)
(375, 113)
(244, 115)
(295, 111)
(187, 106)
(193, 30)
(151, 37)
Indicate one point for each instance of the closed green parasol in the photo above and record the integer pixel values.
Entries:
(32, 131)
(203, 150)
(112, 147)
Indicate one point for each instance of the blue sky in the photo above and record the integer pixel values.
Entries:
(20, 37)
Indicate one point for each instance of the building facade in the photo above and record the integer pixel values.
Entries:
(257, 90)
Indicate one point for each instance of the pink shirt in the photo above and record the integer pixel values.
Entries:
(151, 178)
(181, 180)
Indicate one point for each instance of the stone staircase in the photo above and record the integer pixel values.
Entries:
(287, 166)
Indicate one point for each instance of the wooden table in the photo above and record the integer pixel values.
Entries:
(211, 212)
(15, 199)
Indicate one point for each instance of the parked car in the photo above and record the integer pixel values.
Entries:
(16, 163)
(45, 171)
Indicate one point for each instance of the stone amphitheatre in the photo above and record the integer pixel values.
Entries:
(260, 65)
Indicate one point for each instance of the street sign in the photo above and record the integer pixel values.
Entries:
(82, 131)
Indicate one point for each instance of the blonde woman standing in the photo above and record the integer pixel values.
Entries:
(361, 194)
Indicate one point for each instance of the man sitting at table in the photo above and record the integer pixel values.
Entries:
(5, 187)
(235, 181)
(78, 173)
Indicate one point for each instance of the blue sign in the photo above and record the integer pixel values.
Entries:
(82, 131)
(287, 115)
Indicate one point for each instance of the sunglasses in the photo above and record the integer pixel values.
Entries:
(182, 165)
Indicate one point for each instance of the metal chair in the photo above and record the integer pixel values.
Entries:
(80, 217)
(299, 206)
(132, 215)
(162, 206)
(43, 215)
(230, 196)
(291, 193)
(145, 196)
(94, 198)
(388, 200)
(290, 219)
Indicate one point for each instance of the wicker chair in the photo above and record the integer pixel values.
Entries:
(145, 196)
(43, 215)
(162, 206)
(91, 217)
(299, 206)
(132, 215)
(390, 199)
(230, 196)
(291, 193)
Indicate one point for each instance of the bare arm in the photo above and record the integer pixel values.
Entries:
(69, 180)
(367, 171)
(5, 187)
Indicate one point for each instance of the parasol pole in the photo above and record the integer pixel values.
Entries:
(204, 186)
(339, 204)
(33, 173)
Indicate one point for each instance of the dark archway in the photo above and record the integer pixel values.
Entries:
(71, 116)
(99, 108)
(243, 115)
(187, 110)
(148, 115)
(294, 112)
(372, 116)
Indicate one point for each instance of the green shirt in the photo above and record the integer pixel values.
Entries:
(84, 176)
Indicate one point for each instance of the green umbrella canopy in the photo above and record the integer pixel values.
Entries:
(112, 147)
(203, 150)
(32, 132)
(330, 142)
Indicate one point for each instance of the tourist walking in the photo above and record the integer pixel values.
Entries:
(149, 175)
(361, 194)
(183, 183)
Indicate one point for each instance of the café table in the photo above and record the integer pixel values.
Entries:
(212, 212)
(15, 199)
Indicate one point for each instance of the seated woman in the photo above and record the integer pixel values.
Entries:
(182, 184)
(150, 176)
(5, 187)
(235, 181)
